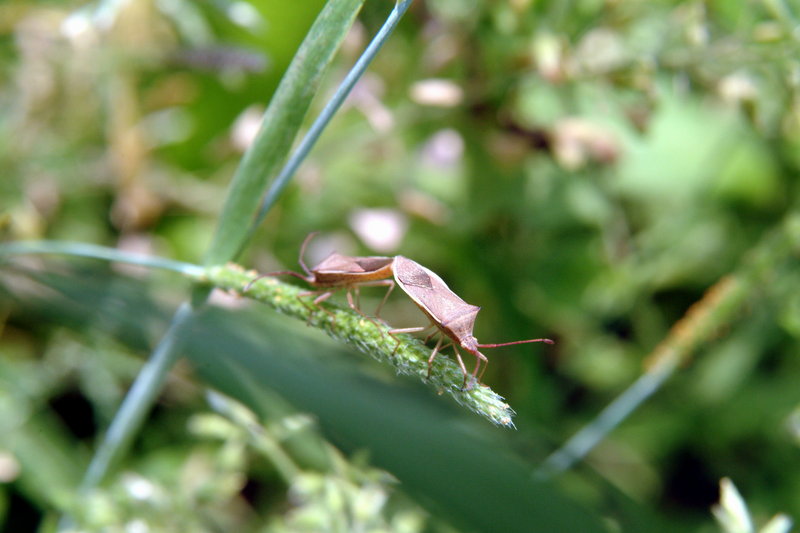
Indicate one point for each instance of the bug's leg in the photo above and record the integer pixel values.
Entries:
(478, 358)
(354, 306)
(307, 279)
(303, 252)
(389, 283)
(432, 335)
(486, 363)
(354, 303)
(250, 283)
(463, 368)
(433, 355)
(394, 332)
(321, 297)
(377, 283)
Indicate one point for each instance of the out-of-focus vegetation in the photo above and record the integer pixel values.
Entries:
(584, 171)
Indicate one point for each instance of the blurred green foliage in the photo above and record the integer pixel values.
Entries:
(581, 170)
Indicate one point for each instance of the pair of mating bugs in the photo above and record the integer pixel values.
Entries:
(452, 317)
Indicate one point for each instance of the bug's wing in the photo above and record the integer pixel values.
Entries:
(338, 270)
(339, 263)
(432, 294)
(410, 274)
(461, 321)
(355, 265)
(374, 263)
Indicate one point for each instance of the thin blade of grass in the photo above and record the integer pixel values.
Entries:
(464, 475)
(330, 109)
(281, 122)
(718, 308)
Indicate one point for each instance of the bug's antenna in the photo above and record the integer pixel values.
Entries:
(303, 252)
(547, 341)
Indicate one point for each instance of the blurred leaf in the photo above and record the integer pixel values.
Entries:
(465, 474)
(458, 467)
(607, 163)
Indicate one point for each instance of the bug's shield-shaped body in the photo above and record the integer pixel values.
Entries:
(452, 315)
(339, 270)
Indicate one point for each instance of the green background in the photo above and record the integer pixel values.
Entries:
(603, 165)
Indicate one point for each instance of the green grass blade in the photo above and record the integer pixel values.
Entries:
(462, 473)
(80, 249)
(410, 357)
(330, 109)
(406, 354)
(282, 120)
(699, 324)
(138, 401)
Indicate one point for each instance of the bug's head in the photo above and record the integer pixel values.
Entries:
(470, 344)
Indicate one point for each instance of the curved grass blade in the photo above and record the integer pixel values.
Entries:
(410, 357)
(80, 249)
(721, 303)
(464, 475)
(330, 109)
(281, 122)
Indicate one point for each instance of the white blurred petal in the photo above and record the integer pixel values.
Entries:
(780, 523)
(731, 512)
(437, 92)
(380, 229)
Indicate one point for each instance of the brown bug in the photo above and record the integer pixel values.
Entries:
(339, 271)
(453, 317)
